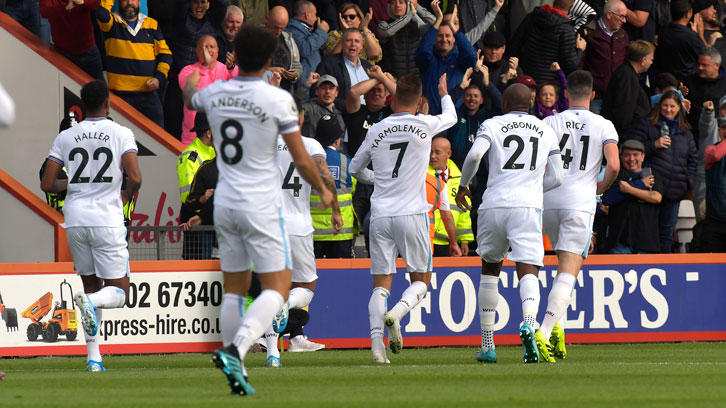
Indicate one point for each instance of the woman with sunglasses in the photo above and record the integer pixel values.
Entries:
(351, 16)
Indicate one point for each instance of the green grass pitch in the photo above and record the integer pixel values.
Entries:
(625, 375)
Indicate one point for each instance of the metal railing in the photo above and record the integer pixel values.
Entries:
(167, 243)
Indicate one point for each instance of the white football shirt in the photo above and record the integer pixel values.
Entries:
(91, 152)
(399, 147)
(582, 136)
(246, 115)
(520, 146)
(295, 190)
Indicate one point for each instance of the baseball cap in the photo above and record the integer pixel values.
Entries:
(722, 101)
(700, 5)
(526, 80)
(200, 123)
(633, 145)
(722, 121)
(328, 78)
(494, 39)
(328, 130)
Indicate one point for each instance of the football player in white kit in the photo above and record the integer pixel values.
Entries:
(569, 209)
(399, 148)
(95, 153)
(296, 210)
(520, 148)
(246, 114)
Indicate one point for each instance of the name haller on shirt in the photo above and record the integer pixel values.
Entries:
(230, 102)
(521, 125)
(89, 136)
(396, 129)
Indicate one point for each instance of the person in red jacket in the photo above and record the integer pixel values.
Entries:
(70, 26)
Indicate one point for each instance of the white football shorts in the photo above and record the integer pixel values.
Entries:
(304, 269)
(407, 235)
(520, 228)
(251, 239)
(100, 251)
(568, 230)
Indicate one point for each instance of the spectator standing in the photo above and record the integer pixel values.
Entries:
(546, 36)
(70, 26)
(210, 70)
(640, 20)
(331, 242)
(472, 112)
(286, 58)
(310, 34)
(606, 46)
(475, 33)
(714, 229)
(709, 17)
(322, 104)
(632, 221)
(401, 34)
(191, 20)
(709, 132)
(225, 37)
(627, 97)
(197, 245)
(347, 67)
(708, 84)
(671, 152)
(501, 70)
(351, 16)
(443, 50)
(137, 57)
(25, 12)
(441, 166)
(678, 45)
(478, 16)
(255, 10)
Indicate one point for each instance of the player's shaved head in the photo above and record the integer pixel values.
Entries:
(516, 97)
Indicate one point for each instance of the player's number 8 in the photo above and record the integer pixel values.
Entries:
(233, 142)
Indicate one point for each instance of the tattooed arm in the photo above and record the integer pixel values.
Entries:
(336, 219)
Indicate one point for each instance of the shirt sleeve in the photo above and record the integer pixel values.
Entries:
(199, 100)
(128, 144)
(56, 153)
(286, 114)
(444, 203)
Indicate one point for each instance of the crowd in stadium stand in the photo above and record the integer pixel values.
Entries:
(656, 66)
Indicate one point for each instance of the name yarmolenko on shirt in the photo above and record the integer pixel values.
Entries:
(398, 129)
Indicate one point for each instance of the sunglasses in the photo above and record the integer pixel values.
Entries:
(349, 16)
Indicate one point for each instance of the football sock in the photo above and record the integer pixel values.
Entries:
(230, 316)
(109, 297)
(93, 342)
(557, 301)
(488, 299)
(271, 341)
(300, 297)
(377, 307)
(257, 319)
(409, 299)
(529, 293)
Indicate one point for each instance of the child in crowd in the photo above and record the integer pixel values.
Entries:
(551, 97)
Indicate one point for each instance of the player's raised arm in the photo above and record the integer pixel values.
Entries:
(448, 117)
(190, 89)
(306, 166)
(553, 171)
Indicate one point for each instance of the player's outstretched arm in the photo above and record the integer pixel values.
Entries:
(612, 169)
(306, 166)
(133, 176)
(553, 172)
(191, 88)
(50, 183)
(358, 166)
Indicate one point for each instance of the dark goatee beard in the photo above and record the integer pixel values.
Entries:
(129, 13)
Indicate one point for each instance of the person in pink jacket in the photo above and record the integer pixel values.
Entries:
(210, 70)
